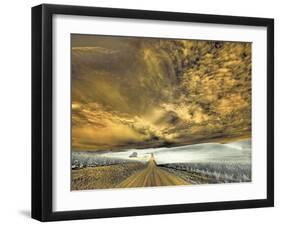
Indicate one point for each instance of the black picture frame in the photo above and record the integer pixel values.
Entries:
(42, 111)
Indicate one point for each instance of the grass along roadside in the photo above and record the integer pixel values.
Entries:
(102, 177)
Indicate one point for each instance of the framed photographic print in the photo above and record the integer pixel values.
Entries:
(146, 112)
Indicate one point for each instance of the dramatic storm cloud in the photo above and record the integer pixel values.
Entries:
(143, 92)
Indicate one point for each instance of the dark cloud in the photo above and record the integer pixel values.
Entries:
(139, 92)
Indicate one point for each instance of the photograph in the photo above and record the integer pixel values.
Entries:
(152, 111)
(142, 112)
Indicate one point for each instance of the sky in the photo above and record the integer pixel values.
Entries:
(233, 152)
(238, 152)
(130, 92)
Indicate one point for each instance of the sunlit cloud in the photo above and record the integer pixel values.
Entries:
(138, 93)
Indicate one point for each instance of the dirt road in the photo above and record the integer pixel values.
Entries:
(151, 176)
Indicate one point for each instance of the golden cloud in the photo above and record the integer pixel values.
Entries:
(141, 92)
